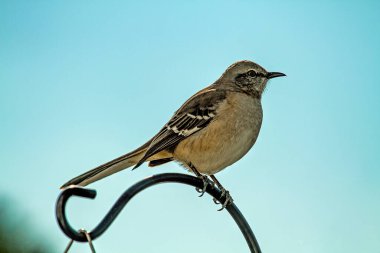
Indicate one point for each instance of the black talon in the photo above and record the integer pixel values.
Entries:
(206, 182)
(221, 196)
(228, 200)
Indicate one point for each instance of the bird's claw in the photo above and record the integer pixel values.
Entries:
(228, 199)
(206, 182)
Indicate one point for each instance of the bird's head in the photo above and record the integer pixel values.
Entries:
(248, 76)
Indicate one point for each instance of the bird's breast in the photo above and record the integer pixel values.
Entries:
(227, 138)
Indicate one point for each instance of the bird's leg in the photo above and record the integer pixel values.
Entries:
(204, 178)
(225, 193)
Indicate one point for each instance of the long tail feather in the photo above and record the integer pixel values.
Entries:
(108, 168)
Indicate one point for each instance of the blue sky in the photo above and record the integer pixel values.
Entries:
(82, 82)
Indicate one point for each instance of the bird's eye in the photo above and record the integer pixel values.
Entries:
(252, 73)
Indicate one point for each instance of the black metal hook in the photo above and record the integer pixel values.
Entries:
(131, 192)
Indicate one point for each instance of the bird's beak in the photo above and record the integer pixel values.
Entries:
(274, 74)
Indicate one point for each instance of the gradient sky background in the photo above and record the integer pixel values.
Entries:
(82, 82)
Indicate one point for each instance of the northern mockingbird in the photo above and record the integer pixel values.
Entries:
(212, 130)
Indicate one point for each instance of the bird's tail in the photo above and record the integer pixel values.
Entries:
(108, 168)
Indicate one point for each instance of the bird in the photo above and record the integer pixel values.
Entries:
(212, 130)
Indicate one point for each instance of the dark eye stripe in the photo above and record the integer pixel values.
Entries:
(250, 73)
(261, 75)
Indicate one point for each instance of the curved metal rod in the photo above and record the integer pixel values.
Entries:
(131, 192)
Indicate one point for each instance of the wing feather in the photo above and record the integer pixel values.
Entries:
(193, 116)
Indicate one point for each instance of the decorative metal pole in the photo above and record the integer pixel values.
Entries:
(84, 236)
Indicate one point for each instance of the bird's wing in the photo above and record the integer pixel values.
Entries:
(195, 114)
